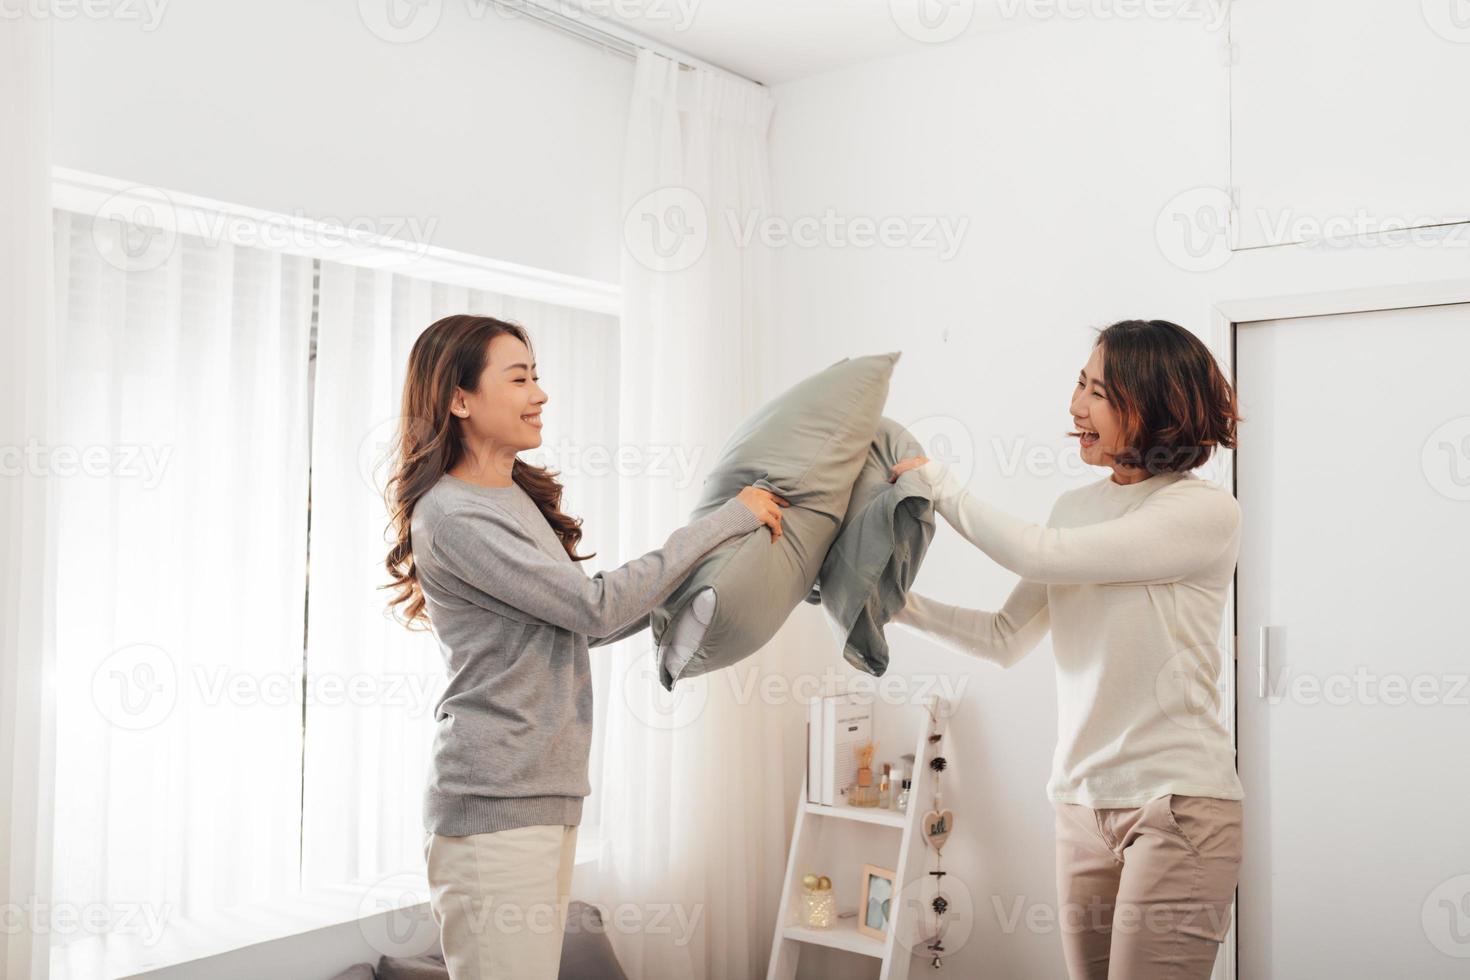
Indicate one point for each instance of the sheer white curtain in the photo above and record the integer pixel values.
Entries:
(26, 384)
(694, 813)
(180, 576)
(372, 684)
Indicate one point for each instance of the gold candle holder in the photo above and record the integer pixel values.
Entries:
(818, 902)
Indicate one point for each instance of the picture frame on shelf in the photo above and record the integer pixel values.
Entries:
(876, 908)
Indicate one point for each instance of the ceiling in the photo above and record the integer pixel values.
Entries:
(774, 41)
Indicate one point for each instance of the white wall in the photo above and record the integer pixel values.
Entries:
(500, 137)
(1061, 142)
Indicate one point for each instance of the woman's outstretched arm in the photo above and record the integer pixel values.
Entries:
(1177, 530)
(488, 548)
(1002, 638)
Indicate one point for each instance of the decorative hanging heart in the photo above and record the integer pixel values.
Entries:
(937, 828)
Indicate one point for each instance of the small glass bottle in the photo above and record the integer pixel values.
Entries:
(885, 787)
(864, 793)
(907, 773)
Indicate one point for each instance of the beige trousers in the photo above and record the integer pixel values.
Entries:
(500, 900)
(1146, 891)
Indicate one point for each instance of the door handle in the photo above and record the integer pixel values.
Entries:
(1263, 665)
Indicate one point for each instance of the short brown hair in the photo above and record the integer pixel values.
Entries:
(1175, 404)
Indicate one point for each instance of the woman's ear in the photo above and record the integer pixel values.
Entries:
(457, 404)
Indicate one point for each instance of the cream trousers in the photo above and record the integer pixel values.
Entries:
(500, 900)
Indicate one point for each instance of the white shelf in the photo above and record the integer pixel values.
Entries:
(850, 829)
(867, 814)
(842, 935)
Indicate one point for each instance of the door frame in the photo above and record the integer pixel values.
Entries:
(1225, 317)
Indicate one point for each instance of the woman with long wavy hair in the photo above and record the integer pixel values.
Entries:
(482, 554)
(1130, 574)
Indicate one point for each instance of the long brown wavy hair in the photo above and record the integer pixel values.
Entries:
(450, 354)
(1175, 404)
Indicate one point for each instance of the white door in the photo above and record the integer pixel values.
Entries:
(1353, 476)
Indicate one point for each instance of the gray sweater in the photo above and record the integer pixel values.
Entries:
(513, 614)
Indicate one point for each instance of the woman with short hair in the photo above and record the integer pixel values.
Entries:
(1130, 574)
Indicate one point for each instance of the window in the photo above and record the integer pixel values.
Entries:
(239, 721)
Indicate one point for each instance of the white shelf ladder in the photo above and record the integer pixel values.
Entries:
(910, 871)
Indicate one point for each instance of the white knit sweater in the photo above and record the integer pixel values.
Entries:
(1131, 580)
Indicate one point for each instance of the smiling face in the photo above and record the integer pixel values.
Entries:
(504, 410)
(1093, 414)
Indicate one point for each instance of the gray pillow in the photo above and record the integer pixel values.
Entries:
(866, 576)
(807, 445)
